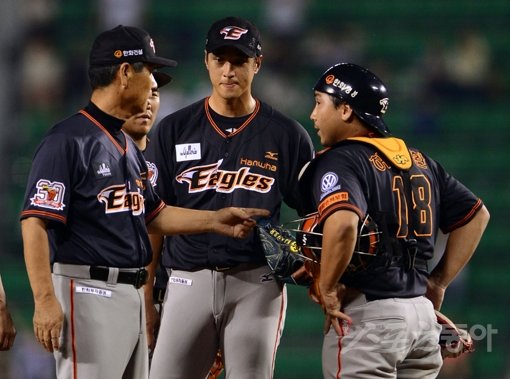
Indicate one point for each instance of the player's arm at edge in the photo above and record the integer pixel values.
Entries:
(48, 315)
(7, 329)
(151, 315)
(338, 243)
(232, 221)
(460, 246)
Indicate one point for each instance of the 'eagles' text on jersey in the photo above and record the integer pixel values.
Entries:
(92, 184)
(251, 161)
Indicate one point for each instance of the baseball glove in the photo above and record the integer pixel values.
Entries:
(282, 254)
(453, 341)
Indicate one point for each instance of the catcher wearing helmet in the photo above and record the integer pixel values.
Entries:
(380, 304)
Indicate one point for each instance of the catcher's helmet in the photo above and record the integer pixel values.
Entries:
(361, 89)
(309, 238)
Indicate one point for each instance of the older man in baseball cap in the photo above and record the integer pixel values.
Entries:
(126, 44)
(88, 208)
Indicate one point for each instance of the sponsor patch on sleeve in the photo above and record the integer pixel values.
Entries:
(153, 173)
(335, 198)
(329, 184)
(49, 195)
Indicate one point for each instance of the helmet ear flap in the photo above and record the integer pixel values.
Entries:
(309, 239)
(368, 237)
(367, 245)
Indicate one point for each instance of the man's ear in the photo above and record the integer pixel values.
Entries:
(124, 72)
(258, 63)
(346, 111)
(205, 59)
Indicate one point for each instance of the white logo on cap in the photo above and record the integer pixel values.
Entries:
(151, 43)
(384, 104)
(233, 32)
(344, 87)
(132, 53)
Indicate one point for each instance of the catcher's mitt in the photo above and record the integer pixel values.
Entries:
(453, 341)
(282, 254)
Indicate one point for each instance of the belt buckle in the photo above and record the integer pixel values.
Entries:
(158, 295)
(220, 269)
(141, 278)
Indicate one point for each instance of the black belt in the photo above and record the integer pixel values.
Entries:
(158, 295)
(221, 268)
(237, 266)
(136, 278)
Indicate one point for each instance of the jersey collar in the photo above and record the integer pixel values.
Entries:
(238, 130)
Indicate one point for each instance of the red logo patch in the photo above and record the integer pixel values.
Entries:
(233, 32)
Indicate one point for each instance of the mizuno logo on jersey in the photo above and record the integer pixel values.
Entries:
(49, 195)
(116, 199)
(271, 155)
(187, 152)
(209, 177)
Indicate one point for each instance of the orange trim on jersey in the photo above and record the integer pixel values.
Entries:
(339, 206)
(44, 214)
(155, 212)
(73, 331)
(280, 328)
(332, 199)
(217, 128)
(98, 124)
(468, 217)
(322, 151)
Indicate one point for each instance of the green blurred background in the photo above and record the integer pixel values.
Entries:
(446, 64)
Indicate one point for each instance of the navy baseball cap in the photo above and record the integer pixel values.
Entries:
(161, 78)
(126, 44)
(236, 32)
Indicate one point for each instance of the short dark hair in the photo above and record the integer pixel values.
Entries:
(102, 76)
(337, 101)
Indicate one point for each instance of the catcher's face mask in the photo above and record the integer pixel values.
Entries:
(309, 238)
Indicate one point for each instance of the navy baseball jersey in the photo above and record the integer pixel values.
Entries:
(87, 166)
(198, 164)
(351, 174)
